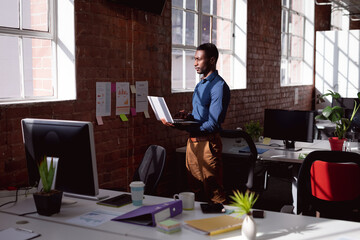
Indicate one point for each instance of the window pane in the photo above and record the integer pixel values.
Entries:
(224, 36)
(35, 15)
(284, 21)
(222, 8)
(226, 8)
(176, 18)
(190, 71)
(177, 69)
(177, 3)
(284, 44)
(206, 6)
(190, 4)
(297, 45)
(190, 28)
(214, 36)
(205, 31)
(38, 67)
(224, 66)
(216, 8)
(295, 71)
(298, 6)
(297, 25)
(285, 3)
(9, 70)
(9, 13)
(284, 72)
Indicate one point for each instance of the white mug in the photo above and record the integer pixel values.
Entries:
(187, 198)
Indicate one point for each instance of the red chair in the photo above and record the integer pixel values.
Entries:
(329, 183)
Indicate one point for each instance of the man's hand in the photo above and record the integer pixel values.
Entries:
(167, 123)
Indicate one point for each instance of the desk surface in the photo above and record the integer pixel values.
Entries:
(273, 226)
(54, 231)
(231, 148)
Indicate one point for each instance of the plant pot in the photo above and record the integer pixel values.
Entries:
(48, 204)
(336, 144)
(248, 229)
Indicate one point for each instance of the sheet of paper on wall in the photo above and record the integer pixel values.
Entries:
(141, 96)
(122, 98)
(103, 99)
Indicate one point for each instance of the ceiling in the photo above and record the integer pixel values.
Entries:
(353, 6)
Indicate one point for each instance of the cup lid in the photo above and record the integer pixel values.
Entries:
(137, 184)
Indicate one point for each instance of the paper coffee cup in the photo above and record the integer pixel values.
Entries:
(137, 192)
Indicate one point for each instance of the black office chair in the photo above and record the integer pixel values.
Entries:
(238, 170)
(329, 183)
(151, 168)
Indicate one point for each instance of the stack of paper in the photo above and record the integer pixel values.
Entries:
(214, 225)
(169, 226)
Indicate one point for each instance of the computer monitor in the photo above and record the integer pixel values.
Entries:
(347, 103)
(290, 126)
(72, 142)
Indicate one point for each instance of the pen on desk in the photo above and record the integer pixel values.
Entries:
(25, 230)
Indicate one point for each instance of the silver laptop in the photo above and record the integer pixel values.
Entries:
(161, 111)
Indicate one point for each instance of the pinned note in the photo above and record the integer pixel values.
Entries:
(124, 118)
(266, 141)
(99, 120)
(132, 88)
(133, 111)
(146, 114)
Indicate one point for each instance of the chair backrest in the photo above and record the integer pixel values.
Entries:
(243, 162)
(151, 168)
(329, 180)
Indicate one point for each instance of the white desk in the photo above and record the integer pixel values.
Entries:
(273, 226)
(53, 231)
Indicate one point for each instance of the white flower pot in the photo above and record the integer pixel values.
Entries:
(248, 229)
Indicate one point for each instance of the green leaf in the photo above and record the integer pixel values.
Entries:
(244, 202)
(46, 174)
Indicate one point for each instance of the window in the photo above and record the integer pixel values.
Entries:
(222, 22)
(34, 50)
(297, 42)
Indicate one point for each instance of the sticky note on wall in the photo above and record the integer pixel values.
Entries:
(123, 118)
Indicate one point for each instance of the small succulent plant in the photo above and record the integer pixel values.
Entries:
(243, 201)
(46, 174)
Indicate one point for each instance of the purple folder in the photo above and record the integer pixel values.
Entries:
(150, 215)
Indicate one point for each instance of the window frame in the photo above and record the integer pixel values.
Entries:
(183, 47)
(62, 37)
(288, 58)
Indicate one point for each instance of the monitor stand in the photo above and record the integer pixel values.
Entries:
(289, 146)
(88, 197)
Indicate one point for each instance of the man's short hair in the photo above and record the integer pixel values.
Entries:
(210, 50)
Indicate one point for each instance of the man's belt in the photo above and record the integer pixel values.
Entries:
(207, 137)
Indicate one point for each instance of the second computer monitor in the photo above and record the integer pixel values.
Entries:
(289, 125)
(72, 143)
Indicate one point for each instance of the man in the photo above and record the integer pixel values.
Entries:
(203, 152)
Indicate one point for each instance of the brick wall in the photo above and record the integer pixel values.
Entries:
(117, 43)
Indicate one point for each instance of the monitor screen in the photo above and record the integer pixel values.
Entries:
(72, 142)
(289, 125)
(347, 103)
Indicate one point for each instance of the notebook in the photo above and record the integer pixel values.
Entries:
(214, 225)
(161, 111)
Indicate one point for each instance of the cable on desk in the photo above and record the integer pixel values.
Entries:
(16, 195)
(16, 198)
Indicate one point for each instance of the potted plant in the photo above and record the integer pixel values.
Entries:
(254, 130)
(244, 204)
(336, 115)
(47, 201)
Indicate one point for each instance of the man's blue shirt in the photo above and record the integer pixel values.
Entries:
(210, 102)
